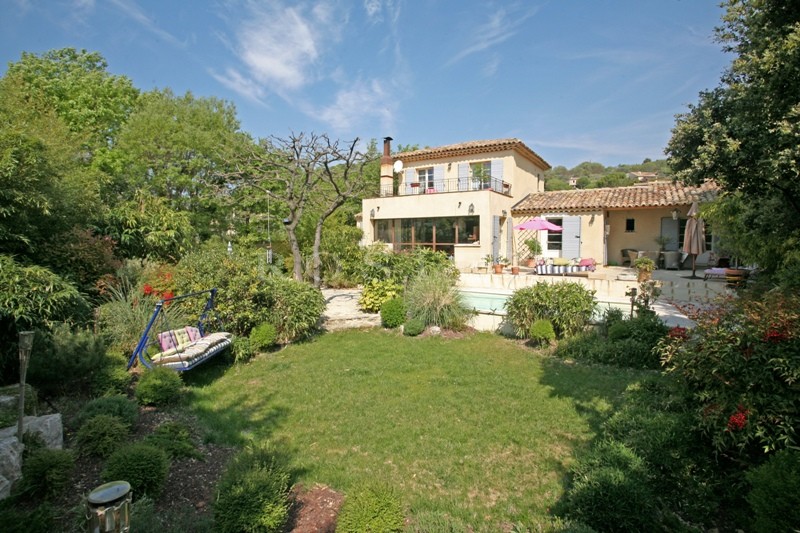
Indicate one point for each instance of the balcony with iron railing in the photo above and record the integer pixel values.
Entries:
(448, 185)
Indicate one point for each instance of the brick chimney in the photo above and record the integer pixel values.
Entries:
(387, 170)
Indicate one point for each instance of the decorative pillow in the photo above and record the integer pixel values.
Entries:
(193, 333)
(182, 337)
(167, 340)
(587, 262)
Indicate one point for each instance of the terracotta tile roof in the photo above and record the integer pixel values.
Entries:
(655, 194)
(473, 148)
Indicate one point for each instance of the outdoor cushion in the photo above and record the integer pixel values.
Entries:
(182, 336)
(193, 332)
(167, 340)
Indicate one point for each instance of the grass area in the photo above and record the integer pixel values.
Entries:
(477, 430)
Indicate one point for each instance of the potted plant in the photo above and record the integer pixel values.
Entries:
(662, 241)
(645, 266)
(535, 248)
(483, 176)
(499, 263)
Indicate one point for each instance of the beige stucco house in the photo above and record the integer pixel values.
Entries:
(464, 199)
(454, 198)
(602, 223)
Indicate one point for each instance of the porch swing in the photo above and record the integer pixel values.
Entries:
(184, 347)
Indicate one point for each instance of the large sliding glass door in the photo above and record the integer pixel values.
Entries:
(441, 233)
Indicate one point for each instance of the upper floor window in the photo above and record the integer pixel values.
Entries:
(630, 225)
(481, 170)
(425, 177)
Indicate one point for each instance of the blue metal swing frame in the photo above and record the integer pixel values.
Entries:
(140, 353)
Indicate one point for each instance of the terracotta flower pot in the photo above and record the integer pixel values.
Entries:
(645, 275)
(515, 270)
(498, 269)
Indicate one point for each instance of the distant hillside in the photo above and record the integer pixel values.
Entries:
(589, 175)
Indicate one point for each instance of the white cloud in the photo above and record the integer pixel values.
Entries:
(374, 10)
(501, 26)
(357, 104)
(132, 10)
(246, 87)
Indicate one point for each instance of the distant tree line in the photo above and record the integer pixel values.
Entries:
(591, 175)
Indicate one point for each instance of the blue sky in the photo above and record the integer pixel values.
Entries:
(576, 80)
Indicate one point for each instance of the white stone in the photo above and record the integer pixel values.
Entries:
(10, 458)
(49, 427)
(5, 488)
(435, 330)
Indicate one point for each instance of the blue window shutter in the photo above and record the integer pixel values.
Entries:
(411, 177)
(438, 178)
(463, 177)
(497, 173)
(571, 237)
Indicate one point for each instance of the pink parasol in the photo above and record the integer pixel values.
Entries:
(538, 223)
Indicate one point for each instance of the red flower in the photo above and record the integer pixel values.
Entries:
(148, 290)
(167, 295)
(678, 333)
(774, 335)
(738, 420)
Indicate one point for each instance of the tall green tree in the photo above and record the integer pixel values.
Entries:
(745, 133)
(79, 88)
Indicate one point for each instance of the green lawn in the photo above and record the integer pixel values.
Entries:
(477, 431)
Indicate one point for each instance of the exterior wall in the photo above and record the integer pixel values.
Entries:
(520, 173)
(647, 228)
(592, 243)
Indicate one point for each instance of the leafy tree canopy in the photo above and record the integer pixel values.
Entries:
(745, 133)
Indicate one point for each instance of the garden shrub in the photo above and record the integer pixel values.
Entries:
(158, 386)
(740, 364)
(294, 307)
(253, 493)
(542, 332)
(413, 327)
(610, 490)
(242, 300)
(117, 405)
(175, 439)
(101, 435)
(46, 473)
(121, 319)
(263, 337)
(569, 306)
(393, 313)
(111, 378)
(371, 508)
(341, 255)
(432, 296)
(775, 492)
(242, 349)
(144, 466)
(66, 360)
(16, 518)
(377, 292)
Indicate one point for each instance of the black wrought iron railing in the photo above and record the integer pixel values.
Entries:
(445, 186)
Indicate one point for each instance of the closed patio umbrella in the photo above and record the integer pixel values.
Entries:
(694, 239)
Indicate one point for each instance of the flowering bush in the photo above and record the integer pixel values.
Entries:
(742, 368)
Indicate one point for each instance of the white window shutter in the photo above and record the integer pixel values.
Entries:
(411, 177)
(438, 178)
(463, 177)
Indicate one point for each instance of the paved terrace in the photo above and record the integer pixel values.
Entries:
(611, 284)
